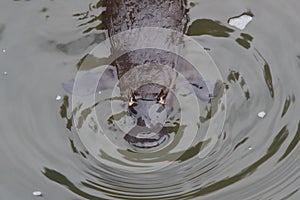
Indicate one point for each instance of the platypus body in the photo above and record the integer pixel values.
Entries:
(149, 104)
(124, 15)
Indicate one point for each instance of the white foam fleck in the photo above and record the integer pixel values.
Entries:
(37, 193)
(240, 22)
(261, 114)
(58, 98)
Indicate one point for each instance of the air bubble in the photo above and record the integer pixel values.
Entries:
(37, 193)
(261, 114)
(58, 98)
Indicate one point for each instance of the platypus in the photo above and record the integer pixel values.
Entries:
(149, 103)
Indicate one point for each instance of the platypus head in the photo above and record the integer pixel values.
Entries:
(148, 107)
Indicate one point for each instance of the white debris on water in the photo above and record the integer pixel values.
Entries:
(3, 50)
(37, 193)
(58, 98)
(99, 92)
(261, 114)
(5, 73)
(240, 22)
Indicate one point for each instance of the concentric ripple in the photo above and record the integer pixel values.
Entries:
(101, 121)
(74, 148)
(240, 156)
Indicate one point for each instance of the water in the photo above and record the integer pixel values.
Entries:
(42, 44)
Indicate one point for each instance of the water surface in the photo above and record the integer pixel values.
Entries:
(42, 45)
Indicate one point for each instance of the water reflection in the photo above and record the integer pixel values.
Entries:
(2, 28)
(292, 144)
(92, 17)
(240, 143)
(273, 148)
(287, 104)
(184, 162)
(267, 73)
(64, 112)
(245, 40)
(89, 62)
(252, 157)
(235, 76)
(208, 27)
(81, 44)
(63, 180)
(196, 191)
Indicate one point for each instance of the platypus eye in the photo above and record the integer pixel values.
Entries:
(161, 97)
(162, 101)
(131, 101)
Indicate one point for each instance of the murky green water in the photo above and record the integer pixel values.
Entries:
(42, 44)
